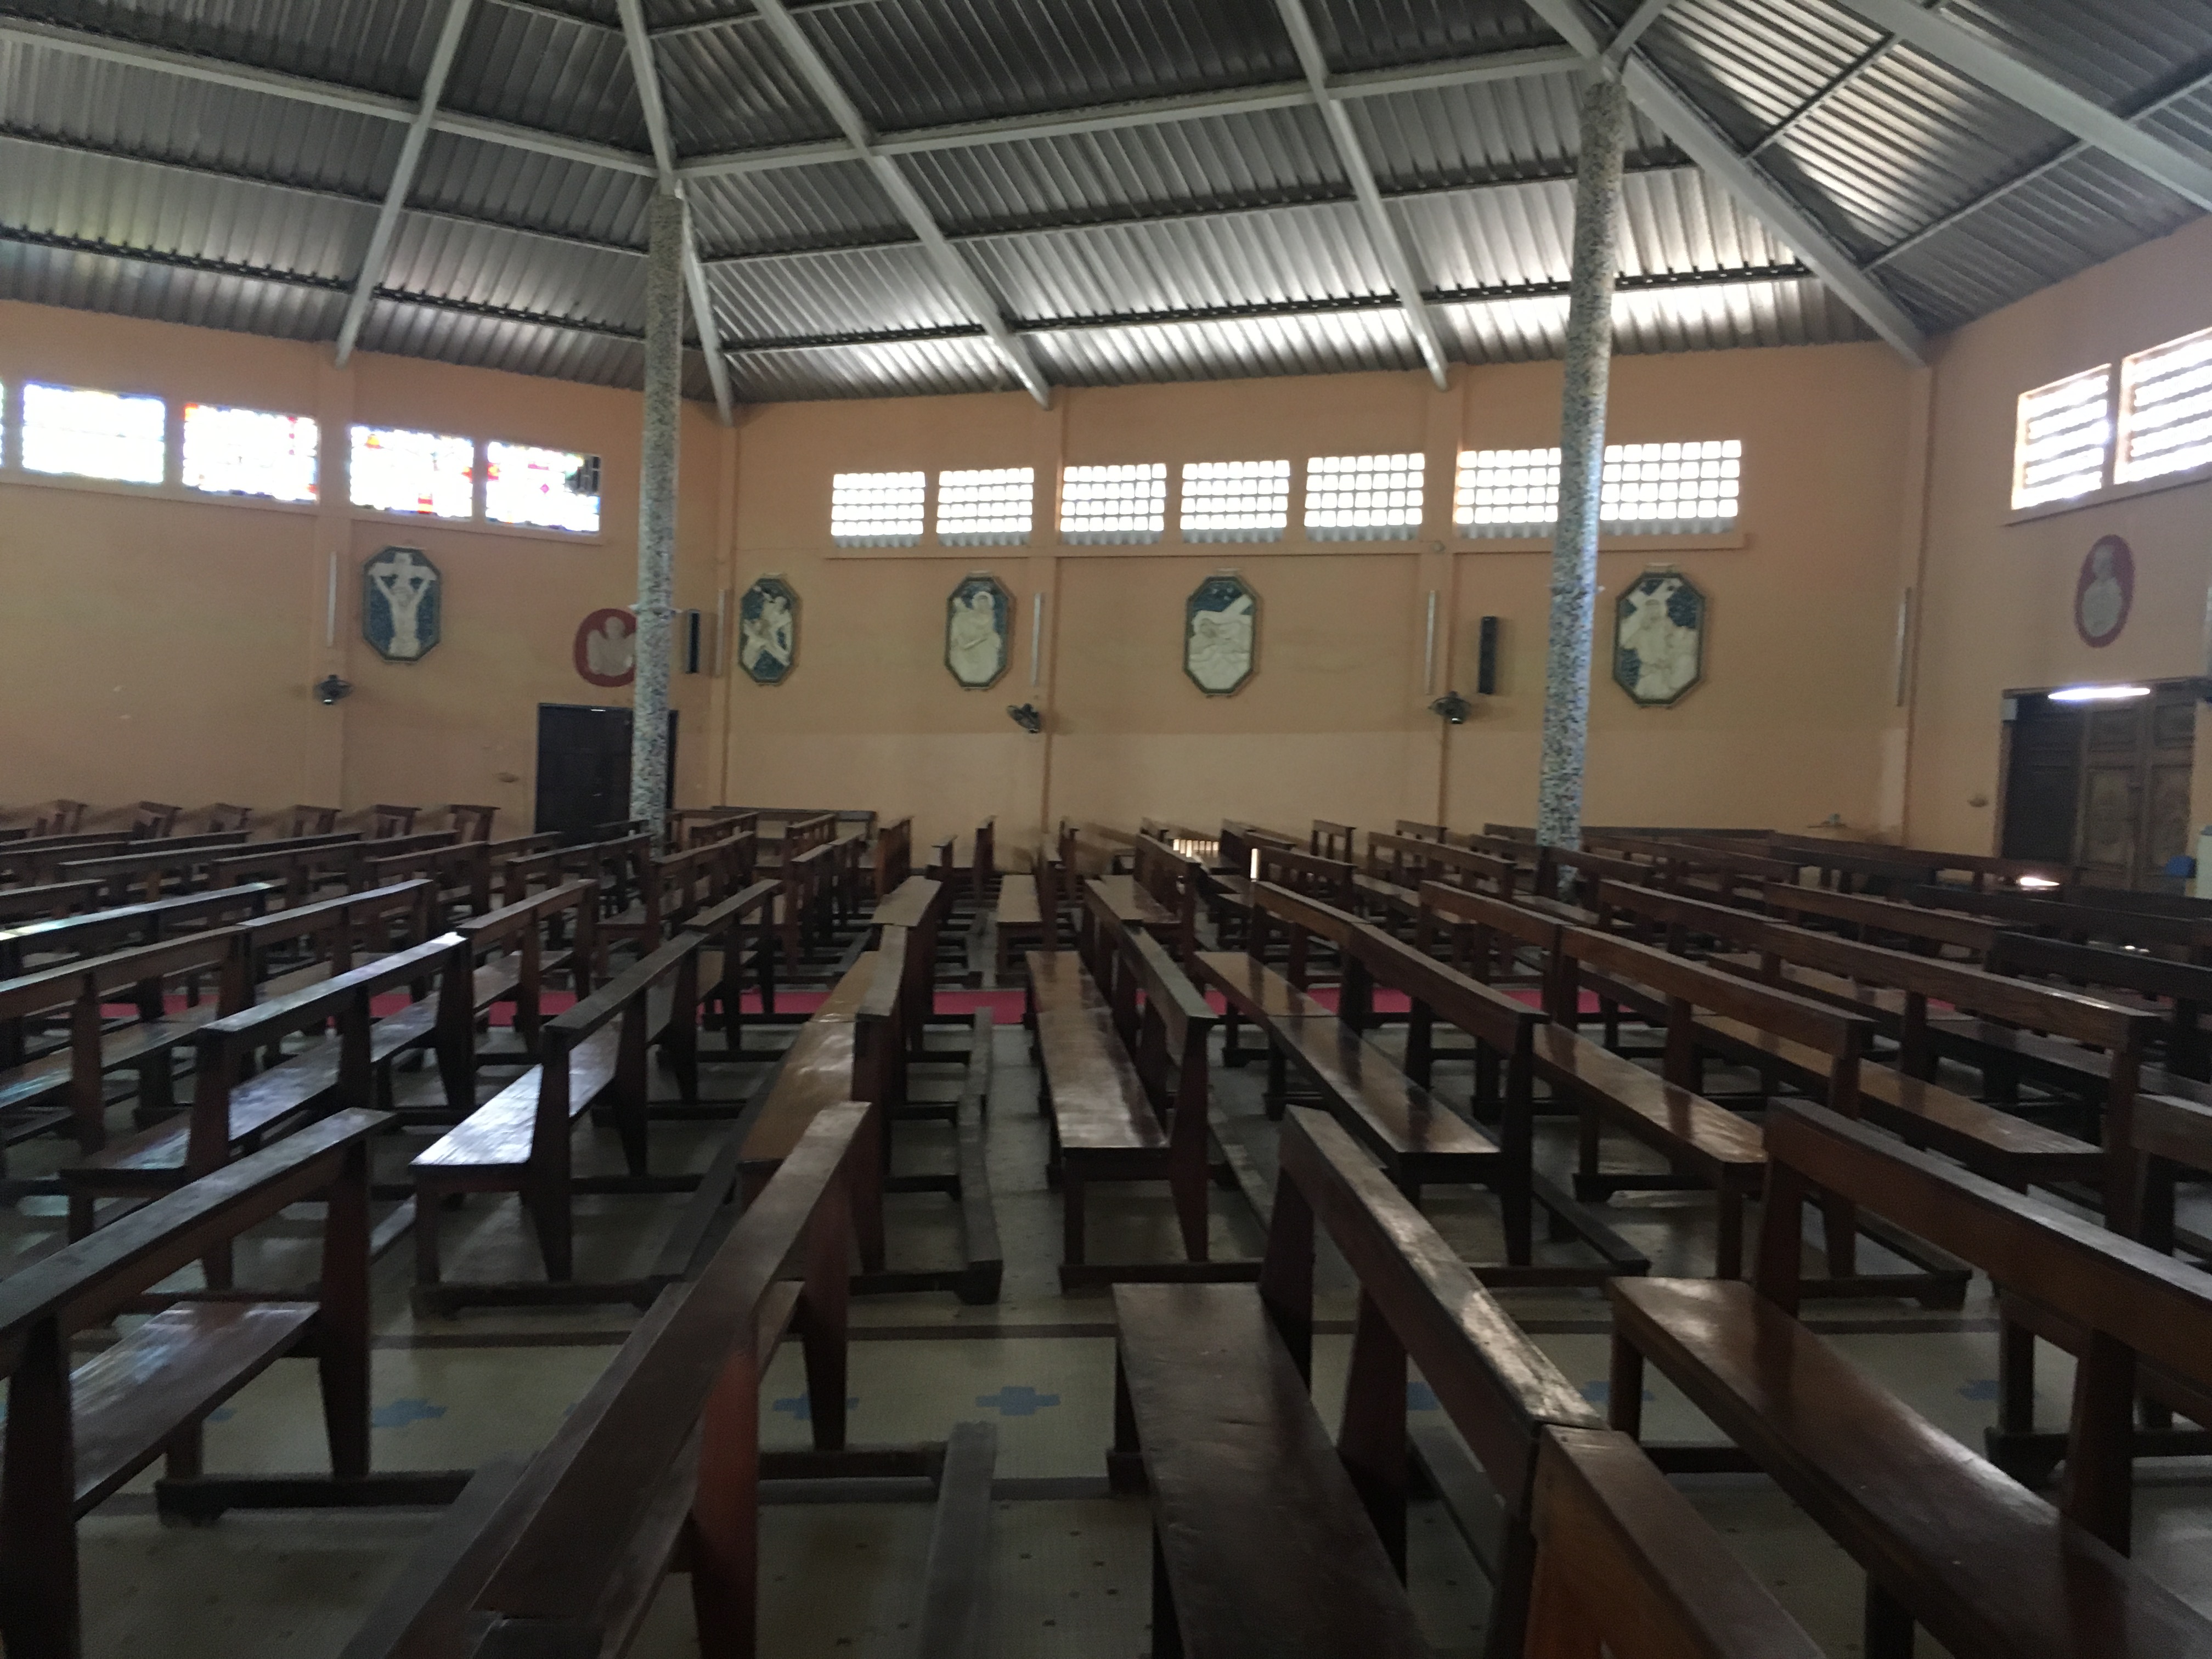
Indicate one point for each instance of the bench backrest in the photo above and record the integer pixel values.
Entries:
(1484, 934)
(147, 870)
(691, 1367)
(372, 917)
(1589, 869)
(2186, 985)
(1406, 861)
(1627, 1567)
(1873, 920)
(1331, 840)
(1240, 844)
(2133, 1300)
(46, 901)
(462, 870)
(1327, 879)
(2080, 923)
(100, 931)
(1418, 1301)
(1372, 957)
(1688, 986)
(299, 869)
(894, 859)
(1163, 1019)
(1419, 831)
(142, 971)
(1172, 879)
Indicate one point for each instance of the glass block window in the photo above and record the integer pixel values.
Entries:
(74, 433)
(1658, 489)
(1127, 503)
(247, 452)
(2062, 440)
(1648, 489)
(549, 488)
(1235, 500)
(1506, 492)
(398, 471)
(1363, 498)
(989, 504)
(877, 509)
(2165, 410)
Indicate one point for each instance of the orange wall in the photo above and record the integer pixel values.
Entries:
(1795, 721)
(166, 644)
(165, 649)
(1997, 606)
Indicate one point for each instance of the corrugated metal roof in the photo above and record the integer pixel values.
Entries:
(1196, 243)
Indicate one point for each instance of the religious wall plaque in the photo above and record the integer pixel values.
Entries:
(1659, 639)
(978, 631)
(768, 630)
(1221, 636)
(399, 603)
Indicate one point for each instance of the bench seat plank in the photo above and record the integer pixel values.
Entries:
(41, 1079)
(496, 1135)
(1990, 1566)
(127, 1402)
(1017, 905)
(1266, 1546)
(1393, 1111)
(1982, 1137)
(1131, 903)
(1687, 1125)
(1098, 1100)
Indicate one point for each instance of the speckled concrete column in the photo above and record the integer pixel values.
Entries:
(656, 509)
(1582, 464)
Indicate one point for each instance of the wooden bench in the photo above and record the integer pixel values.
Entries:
(1893, 988)
(69, 1087)
(919, 906)
(462, 872)
(1269, 1538)
(148, 874)
(301, 871)
(1948, 1540)
(658, 1469)
(314, 820)
(2180, 990)
(1173, 881)
(520, 1140)
(1333, 842)
(1882, 922)
(1122, 1037)
(291, 949)
(736, 932)
(389, 822)
(51, 899)
(1705, 1145)
(1397, 866)
(670, 890)
(76, 1433)
(235, 1110)
(1417, 1139)
(892, 857)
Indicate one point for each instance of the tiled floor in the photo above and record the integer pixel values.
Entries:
(1069, 1571)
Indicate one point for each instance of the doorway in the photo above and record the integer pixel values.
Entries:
(2103, 787)
(583, 766)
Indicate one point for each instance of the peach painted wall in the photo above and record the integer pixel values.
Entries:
(166, 644)
(165, 648)
(1796, 720)
(1997, 607)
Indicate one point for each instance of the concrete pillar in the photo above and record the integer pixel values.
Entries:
(1582, 464)
(656, 509)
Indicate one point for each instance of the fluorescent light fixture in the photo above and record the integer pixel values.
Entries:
(2099, 693)
(2037, 884)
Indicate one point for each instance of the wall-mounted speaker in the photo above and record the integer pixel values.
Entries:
(691, 641)
(1485, 662)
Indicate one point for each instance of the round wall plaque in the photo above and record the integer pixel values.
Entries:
(2104, 592)
(606, 647)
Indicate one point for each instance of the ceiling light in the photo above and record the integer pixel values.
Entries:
(2099, 693)
(2036, 883)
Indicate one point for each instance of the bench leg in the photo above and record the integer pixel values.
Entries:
(1728, 1248)
(1167, 1632)
(1071, 1205)
(1510, 1595)
(1371, 1437)
(546, 1203)
(726, 1516)
(1277, 1094)
(1125, 1460)
(39, 1609)
(1888, 1629)
(1187, 1183)
(1624, 1408)
(429, 1202)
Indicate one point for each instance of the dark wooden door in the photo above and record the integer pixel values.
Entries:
(583, 766)
(2103, 787)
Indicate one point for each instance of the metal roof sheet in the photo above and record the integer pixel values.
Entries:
(1132, 243)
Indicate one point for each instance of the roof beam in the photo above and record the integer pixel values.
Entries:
(1383, 232)
(1979, 59)
(1623, 42)
(1149, 112)
(952, 269)
(329, 94)
(647, 69)
(1694, 133)
(377, 255)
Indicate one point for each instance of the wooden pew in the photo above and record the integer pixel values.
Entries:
(1121, 1037)
(1397, 866)
(32, 945)
(1173, 881)
(520, 1140)
(1705, 1145)
(63, 817)
(520, 847)
(68, 1087)
(314, 820)
(75, 1435)
(510, 952)
(1417, 1139)
(461, 869)
(300, 870)
(983, 866)
(1333, 842)
(222, 817)
(657, 1470)
(1895, 988)
(1269, 1538)
(615, 865)
(389, 822)
(38, 860)
(1017, 925)
(235, 1110)
(1883, 921)
(919, 906)
(54, 898)
(738, 931)
(1983, 873)
(2181, 990)
(155, 820)
(1948, 1540)
(471, 823)
(145, 872)
(893, 859)
(670, 891)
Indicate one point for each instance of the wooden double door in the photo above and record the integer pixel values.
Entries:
(2103, 787)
